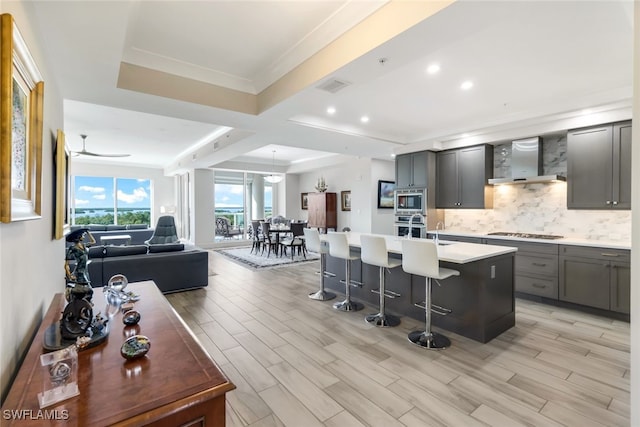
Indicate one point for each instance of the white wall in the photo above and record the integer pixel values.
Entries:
(31, 262)
(360, 176)
(163, 191)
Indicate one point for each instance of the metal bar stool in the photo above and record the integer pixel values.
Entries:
(420, 257)
(312, 238)
(374, 252)
(339, 248)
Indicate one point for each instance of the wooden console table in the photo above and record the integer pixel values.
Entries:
(175, 384)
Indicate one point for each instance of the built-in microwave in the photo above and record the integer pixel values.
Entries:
(410, 201)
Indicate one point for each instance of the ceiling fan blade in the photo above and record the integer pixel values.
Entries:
(84, 152)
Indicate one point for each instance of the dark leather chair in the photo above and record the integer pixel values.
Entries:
(165, 231)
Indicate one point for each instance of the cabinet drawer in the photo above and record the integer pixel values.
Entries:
(621, 255)
(536, 264)
(541, 286)
(542, 248)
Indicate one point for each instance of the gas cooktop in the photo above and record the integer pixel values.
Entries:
(526, 235)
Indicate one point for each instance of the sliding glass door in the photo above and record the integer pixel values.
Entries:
(239, 198)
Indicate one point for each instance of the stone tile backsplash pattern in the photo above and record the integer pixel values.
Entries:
(539, 208)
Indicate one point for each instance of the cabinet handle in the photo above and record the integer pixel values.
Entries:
(608, 202)
(537, 264)
(609, 254)
(615, 202)
(537, 285)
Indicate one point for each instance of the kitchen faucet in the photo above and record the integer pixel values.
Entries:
(436, 239)
(410, 233)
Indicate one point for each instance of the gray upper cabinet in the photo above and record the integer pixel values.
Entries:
(599, 167)
(411, 170)
(462, 176)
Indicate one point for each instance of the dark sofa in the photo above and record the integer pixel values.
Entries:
(139, 232)
(172, 267)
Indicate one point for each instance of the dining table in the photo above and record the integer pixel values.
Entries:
(279, 229)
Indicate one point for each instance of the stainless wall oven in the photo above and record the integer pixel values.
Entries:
(418, 228)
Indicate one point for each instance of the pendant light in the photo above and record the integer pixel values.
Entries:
(274, 179)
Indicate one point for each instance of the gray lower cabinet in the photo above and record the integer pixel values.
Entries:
(462, 178)
(536, 270)
(595, 277)
(599, 167)
(467, 239)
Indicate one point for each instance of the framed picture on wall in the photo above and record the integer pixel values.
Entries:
(61, 192)
(345, 197)
(21, 124)
(304, 203)
(385, 194)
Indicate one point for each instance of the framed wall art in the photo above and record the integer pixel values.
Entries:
(304, 202)
(345, 198)
(61, 191)
(21, 122)
(385, 194)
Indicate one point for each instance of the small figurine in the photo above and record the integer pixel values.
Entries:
(98, 323)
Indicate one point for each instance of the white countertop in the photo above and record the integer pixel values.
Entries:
(610, 244)
(456, 252)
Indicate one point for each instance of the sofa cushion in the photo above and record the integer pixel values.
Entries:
(137, 226)
(112, 227)
(113, 251)
(166, 247)
(97, 252)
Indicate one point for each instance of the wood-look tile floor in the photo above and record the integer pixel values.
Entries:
(297, 362)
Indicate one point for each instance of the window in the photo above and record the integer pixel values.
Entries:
(110, 200)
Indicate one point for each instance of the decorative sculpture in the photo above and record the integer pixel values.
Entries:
(321, 185)
(78, 326)
(78, 314)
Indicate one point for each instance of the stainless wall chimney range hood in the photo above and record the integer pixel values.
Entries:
(526, 164)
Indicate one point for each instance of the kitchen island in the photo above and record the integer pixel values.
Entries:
(481, 299)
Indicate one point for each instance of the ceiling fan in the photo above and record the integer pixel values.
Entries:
(84, 151)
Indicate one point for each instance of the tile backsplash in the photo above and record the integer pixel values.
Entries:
(539, 208)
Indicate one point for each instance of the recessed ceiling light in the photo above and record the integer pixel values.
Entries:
(433, 68)
(364, 119)
(331, 110)
(466, 85)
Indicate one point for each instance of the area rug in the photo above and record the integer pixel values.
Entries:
(259, 262)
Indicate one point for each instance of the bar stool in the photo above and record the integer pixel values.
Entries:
(312, 238)
(374, 252)
(339, 248)
(420, 257)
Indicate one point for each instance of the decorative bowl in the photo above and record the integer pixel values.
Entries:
(117, 282)
(131, 317)
(135, 347)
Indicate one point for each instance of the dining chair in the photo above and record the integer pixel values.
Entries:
(269, 241)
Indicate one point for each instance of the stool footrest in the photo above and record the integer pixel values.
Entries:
(434, 308)
(353, 283)
(387, 294)
(326, 274)
(440, 310)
